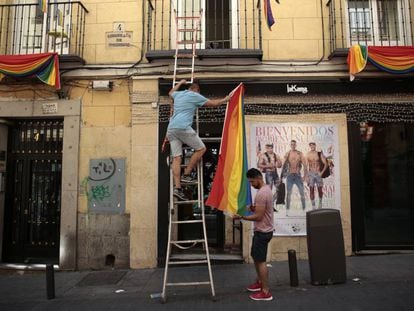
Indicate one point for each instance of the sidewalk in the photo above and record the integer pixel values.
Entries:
(386, 282)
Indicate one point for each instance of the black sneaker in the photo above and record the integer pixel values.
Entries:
(179, 194)
(187, 179)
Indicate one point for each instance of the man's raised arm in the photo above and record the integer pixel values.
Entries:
(177, 87)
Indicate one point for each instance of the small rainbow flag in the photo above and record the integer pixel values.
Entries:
(44, 66)
(43, 5)
(268, 13)
(60, 17)
(230, 191)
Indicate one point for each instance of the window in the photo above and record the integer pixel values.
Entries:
(217, 23)
(378, 22)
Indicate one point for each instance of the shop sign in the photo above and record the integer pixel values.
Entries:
(293, 88)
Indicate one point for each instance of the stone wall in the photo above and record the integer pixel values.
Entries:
(103, 241)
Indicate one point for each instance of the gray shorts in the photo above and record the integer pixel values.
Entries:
(314, 178)
(178, 137)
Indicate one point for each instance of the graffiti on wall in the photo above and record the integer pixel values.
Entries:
(105, 186)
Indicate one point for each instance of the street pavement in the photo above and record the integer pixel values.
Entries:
(374, 282)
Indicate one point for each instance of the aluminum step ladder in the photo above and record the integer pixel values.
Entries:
(174, 206)
(186, 26)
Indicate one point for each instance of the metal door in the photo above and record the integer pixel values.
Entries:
(33, 196)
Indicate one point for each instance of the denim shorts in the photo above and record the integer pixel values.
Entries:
(259, 245)
(178, 137)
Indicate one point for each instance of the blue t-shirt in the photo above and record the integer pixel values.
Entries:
(185, 104)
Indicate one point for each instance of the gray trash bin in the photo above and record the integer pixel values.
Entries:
(325, 247)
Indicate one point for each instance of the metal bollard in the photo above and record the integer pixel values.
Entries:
(293, 268)
(50, 282)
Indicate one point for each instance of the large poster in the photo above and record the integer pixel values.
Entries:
(300, 162)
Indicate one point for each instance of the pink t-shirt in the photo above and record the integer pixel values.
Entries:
(264, 197)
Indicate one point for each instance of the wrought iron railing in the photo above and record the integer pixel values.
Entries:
(370, 22)
(25, 29)
(225, 25)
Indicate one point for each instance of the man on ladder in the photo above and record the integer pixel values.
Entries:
(180, 131)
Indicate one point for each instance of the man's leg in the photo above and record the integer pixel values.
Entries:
(289, 186)
(262, 275)
(195, 158)
(176, 169)
(320, 192)
(312, 196)
(299, 184)
(191, 138)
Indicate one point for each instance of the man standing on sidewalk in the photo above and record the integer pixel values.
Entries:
(262, 218)
(180, 132)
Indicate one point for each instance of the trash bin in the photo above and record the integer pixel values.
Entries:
(325, 247)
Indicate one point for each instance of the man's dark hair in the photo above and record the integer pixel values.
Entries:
(253, 173)
(293, 141)
(194, 84)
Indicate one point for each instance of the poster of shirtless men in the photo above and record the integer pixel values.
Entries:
(300, 162)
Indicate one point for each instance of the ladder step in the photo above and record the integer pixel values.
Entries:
(185, 55)
(186, 202)
(188, 283)
(188, 241)
(188, 41)
(188, 29)
(188, 17)
(187, 262)
(184, 68)
(187, 221)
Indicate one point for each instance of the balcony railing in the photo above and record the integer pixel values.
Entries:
(370, 22)
(227, 27)
(25, 29)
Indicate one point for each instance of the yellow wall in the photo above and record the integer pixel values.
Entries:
(297, 32)
(105, 128)
(100, 20)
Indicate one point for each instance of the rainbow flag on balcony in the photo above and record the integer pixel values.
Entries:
(43, 5)
(230, 191)
(268, 14)
(44, 66)
(392, 59)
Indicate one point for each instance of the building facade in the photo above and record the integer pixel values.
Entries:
(84, 181)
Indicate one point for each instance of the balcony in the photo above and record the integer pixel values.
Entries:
(228, 28)
(369, 22)
(25, 29)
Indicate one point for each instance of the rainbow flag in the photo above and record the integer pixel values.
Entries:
(268, 14)
(43, 5)
(44, 66)
(392, 59)
(60, 17)
(230, 191)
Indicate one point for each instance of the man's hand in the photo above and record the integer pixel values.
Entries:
(235, 217)
(177, 87)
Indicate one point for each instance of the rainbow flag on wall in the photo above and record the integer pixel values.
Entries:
(44, 66)
(230, 191)
(392, 59)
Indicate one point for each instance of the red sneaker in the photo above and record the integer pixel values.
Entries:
(261, 296)
(255, 287)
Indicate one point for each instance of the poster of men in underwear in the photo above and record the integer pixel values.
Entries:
(298, 163)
